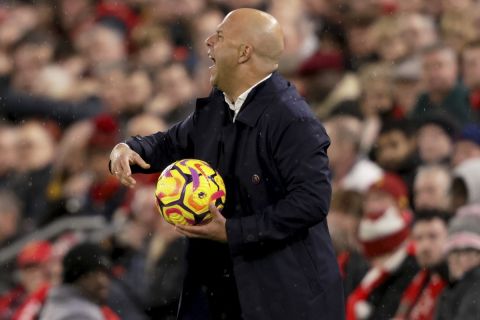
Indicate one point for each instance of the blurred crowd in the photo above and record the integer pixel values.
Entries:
(395, 82)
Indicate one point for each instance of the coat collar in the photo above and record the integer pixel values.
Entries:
(256, 102)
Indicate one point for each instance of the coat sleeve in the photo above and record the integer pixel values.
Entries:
(300, 155)
(162, 148)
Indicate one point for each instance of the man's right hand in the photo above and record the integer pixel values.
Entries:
(122, 157)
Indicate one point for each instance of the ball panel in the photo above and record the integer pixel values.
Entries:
(169, 186)
(177, 215)
(185, 190)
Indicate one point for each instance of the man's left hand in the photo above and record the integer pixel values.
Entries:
(213, 230)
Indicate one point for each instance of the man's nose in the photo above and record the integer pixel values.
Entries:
(208, 41)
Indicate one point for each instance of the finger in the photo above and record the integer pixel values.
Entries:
(127, 181)
(124, 167)
(197, 230)
(216, 214)
(138, 160)
(187, 234)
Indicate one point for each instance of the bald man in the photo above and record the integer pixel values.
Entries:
(268, 254)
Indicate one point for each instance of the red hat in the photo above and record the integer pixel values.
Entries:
(34, 253)
(321, 61)
(383, 232)
(393, 185)
(105, 132)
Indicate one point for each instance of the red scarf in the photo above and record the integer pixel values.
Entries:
(357, 305)
(419, 299)
(362, 292)
(30, 310)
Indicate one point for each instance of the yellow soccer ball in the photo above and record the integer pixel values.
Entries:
(185, 189)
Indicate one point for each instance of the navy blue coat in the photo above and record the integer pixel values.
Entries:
(274, 161)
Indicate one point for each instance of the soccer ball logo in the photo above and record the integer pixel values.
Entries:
(185, 189)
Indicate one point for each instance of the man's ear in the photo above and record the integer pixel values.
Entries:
(245, 52)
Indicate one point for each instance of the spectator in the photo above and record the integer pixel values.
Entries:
(349, 169)
(407, 84)
(396, 150)
(105, 194)
(429, 236)
(32, 52)
(175, 93)
(460, 299)
(326, 83)
(458, 29)
(383, 233)
(343, 220)
(102, 46)
(32, 262)
(418, 32)
(467, 145)
(431, 189)
(154, 47)
(84, 287)
(391, 46)
(443, 92)
(376, 102)
(360, 39)
(34, 302)
(435, 139)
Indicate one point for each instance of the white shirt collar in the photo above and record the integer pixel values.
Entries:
(241, 98)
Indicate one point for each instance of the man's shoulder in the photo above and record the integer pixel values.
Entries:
(287, 102)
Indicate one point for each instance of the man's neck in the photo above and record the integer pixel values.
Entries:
(233, 93)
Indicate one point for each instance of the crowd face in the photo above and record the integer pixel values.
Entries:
(429, 237)
(377, 98)
(32, 277)
(434, 145)
(35, 147)
(95, 286)
(360, 41)
(393, 149)
(102, 46)
(431, 190)
(440, 70)
(418, 32)
(462, 261)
